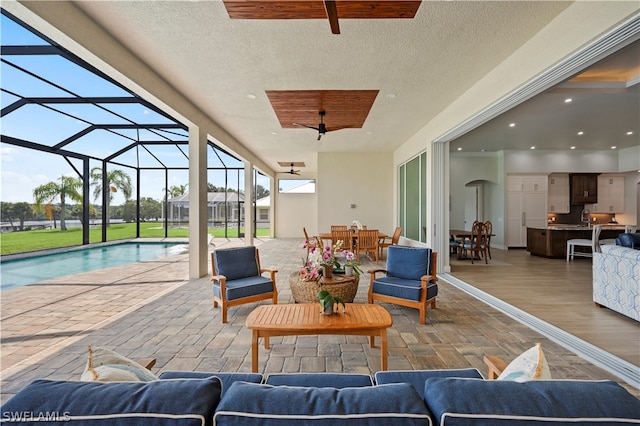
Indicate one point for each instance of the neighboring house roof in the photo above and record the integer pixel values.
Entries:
(264, 202)
(212, 198)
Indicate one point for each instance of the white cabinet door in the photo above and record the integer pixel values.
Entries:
(610, 195)
(526, 207)
(559, 193)
(515, 220)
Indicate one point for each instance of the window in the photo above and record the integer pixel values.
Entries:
(297, 186)
(412, 198)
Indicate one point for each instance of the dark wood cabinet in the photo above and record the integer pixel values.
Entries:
(584, 188)
(552, 242)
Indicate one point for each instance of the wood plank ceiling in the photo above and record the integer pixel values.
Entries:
(343, 108)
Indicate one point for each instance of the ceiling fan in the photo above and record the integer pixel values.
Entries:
(292, 172)
(322, 129)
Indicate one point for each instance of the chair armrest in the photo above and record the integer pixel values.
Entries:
(220, 278)
(429, 278)
(147, 363)
(496, 366)
(272, 273)
(373, 271)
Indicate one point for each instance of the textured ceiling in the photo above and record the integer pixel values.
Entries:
(225, 66)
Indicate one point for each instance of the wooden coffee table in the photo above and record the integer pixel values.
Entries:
(306, 319)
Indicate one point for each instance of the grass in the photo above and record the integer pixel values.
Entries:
(26, 241)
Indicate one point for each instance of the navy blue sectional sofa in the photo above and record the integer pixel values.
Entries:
(443, 397)
(627, 239)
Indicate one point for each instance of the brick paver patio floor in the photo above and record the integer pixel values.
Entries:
(152, 309)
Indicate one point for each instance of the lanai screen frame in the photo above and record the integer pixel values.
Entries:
(170, 132)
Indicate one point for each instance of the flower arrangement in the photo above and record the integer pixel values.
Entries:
(329, 255)
(350, 260)
(312, 264)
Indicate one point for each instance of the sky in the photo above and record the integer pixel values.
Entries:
(23, 169)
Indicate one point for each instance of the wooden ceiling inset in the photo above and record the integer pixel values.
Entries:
(343, 108)
(315, 9)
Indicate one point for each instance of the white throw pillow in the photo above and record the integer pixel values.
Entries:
(105, 365)
(530, 365)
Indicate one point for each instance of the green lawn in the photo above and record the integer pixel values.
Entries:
(26, 241)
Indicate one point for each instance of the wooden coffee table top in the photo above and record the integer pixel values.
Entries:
(307, 318)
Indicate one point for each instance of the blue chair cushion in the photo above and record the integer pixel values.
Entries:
(403, 288)
(628, 239)
(418, 377)
(247, 404)
(237, 262)
(182, 402)
(409, 263)
(320, 380)
(226, 379)
(245, 287)
(467, 402)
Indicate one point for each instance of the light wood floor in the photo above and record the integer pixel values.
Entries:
(556, 291)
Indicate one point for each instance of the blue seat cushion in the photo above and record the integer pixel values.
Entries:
(245, 287)
(403, 288)
(628, 239)
(225, 378)
(237, 262)
(418, 377)
(320, 380)
(247, 404)
(467, 402)
(183, 402)
(408, 263)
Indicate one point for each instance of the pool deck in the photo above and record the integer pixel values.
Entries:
(152, 309)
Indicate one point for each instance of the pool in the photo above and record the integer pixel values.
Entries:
(21, 272)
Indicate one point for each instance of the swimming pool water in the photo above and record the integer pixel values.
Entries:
(17, 273)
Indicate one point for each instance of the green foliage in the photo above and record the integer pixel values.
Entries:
(27, 241)
(326, 299)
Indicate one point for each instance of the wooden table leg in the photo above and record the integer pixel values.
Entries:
(254, 352)
(383, 349)
(372, 340)
(266, 342)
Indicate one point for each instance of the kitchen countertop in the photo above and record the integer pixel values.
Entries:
(569, 227)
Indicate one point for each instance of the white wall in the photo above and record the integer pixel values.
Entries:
(363, 179)
(296, 211)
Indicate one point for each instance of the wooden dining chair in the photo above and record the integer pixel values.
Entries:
(476, 246)
(489, 230)
(345, 235)
(338, 228)
(368, 243)
(389, 241)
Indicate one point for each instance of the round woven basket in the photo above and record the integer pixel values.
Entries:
(307, 291)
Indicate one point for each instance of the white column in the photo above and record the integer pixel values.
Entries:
(273, 188)
(248, 203)
(440, 204)
(198, 266)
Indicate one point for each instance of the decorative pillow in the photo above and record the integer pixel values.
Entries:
(530, 365)
(105, 365)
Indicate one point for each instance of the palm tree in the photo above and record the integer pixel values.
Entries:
(116, 180)
(67, 187)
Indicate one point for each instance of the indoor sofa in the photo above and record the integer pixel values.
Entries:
(616, 279)
(440, 397)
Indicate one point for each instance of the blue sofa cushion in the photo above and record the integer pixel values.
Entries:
(162, 402)
(225, 378)
(418, 377)
(237, 262)
(249, 404)
(402, 288)
(629, 240)
(466, 402)
(245, 287)
(409, 263)
(320, 380)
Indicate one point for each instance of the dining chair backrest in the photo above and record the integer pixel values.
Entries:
(345, 236)
(396, 236)
(630, 229)
(479, 235)
(595, 239)
(338, 228)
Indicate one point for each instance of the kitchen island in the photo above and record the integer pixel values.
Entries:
(551, 241)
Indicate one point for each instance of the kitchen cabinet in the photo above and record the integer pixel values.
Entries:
(559, 201)
(551, 241)
(610, 195)
(526, 206)
(584, 188)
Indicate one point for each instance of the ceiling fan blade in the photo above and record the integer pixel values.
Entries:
(304, 125)
(319, 136)
(332, 14)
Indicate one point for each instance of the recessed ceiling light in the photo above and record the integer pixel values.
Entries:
(391, 95)
(251, 96)
(566, 101)
(482, 150)
(533, 147)
(581, 133)
(573, 147)
(629, 133)
(613, 147)
(274, 133)
(512, 124)
(459, 149)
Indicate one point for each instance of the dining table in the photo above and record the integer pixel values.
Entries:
(462, 235)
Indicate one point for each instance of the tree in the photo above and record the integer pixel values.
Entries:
(178, 190)
(22, 211)
(68, 187)
(129, 211)
(261, 192)
(150, 209)
(116, 180)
